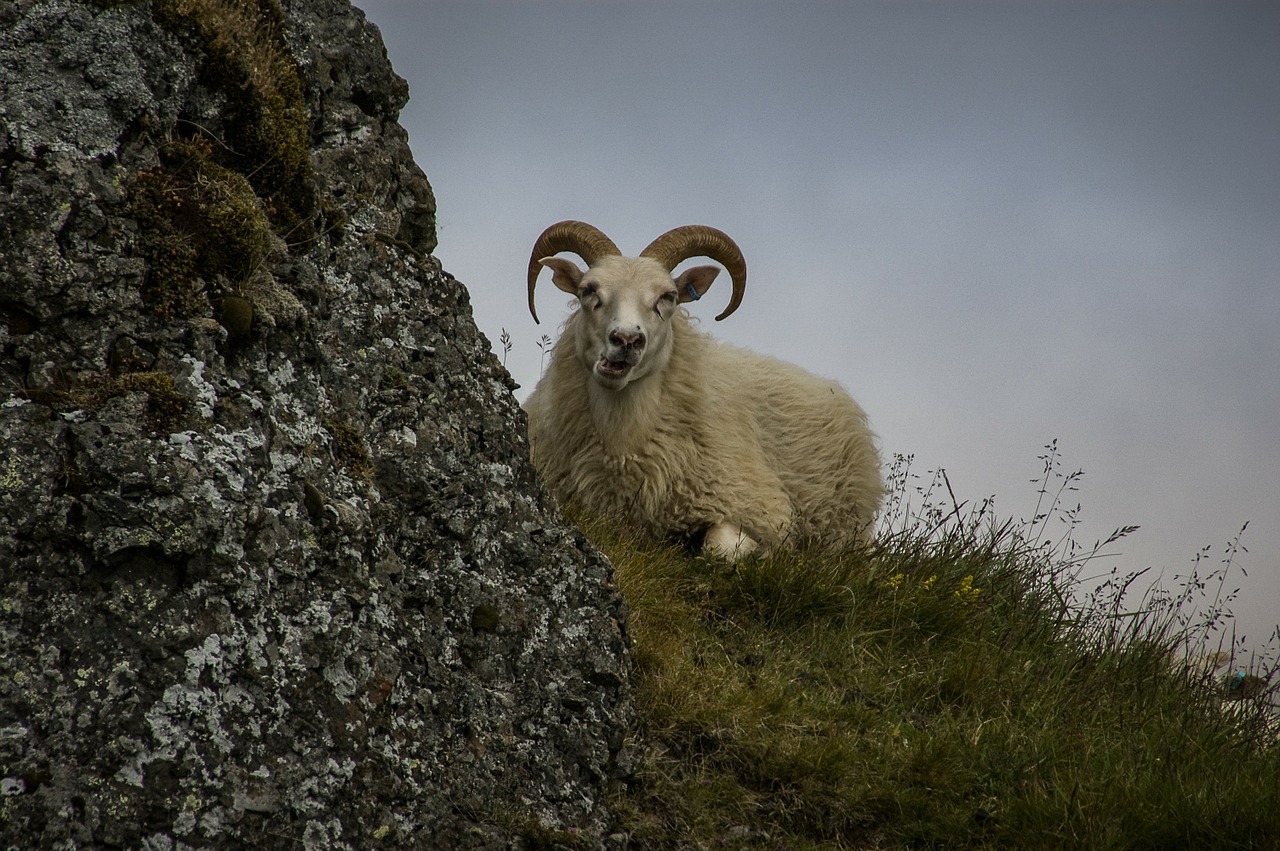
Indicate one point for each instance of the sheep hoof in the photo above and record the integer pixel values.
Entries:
(728, 542)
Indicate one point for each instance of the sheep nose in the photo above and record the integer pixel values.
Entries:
(627, 339)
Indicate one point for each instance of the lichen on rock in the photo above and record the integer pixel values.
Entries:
(275, 569)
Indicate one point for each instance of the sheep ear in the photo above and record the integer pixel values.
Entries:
(694, 283)
(564, 273)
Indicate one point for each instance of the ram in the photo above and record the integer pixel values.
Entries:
(644, 419)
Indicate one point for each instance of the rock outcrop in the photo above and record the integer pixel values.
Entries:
(275, 571)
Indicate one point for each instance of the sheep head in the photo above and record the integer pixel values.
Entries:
(623, 331)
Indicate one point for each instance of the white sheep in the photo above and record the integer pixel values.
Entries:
(642, 418)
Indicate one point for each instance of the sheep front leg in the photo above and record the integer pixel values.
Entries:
(728, 542)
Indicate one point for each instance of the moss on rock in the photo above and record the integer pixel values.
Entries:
(226, 202)
(167, 408)
(201, 223)
(265, 124)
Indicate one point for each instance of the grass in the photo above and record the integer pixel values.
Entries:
(951, 686)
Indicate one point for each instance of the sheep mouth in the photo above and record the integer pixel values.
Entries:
(613, 369)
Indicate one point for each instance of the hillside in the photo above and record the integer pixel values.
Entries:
(945, 689)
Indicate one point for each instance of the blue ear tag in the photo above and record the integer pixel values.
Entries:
(694, 295)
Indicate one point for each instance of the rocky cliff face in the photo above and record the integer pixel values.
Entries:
(274, 568)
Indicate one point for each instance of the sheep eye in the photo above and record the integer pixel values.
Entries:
(665, 299)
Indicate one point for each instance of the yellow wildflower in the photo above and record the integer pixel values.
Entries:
(966, 593)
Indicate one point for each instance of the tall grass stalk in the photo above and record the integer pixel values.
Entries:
(966, 682)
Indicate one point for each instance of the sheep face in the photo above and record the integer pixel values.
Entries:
(622, 329)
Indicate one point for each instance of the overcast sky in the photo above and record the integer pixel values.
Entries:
(995, 223)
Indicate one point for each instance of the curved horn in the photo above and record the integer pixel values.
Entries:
(681, 243)
(585, 240)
